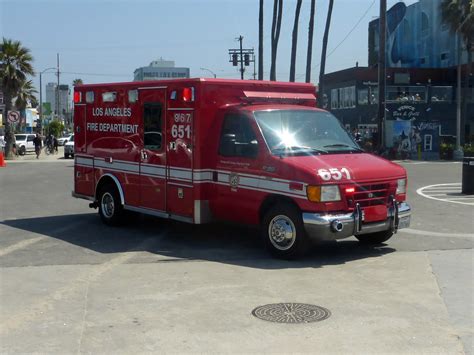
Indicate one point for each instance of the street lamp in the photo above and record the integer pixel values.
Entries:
(215, 76)
(41, 96)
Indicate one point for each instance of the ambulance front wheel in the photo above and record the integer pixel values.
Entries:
(110, 207)
(283, 232)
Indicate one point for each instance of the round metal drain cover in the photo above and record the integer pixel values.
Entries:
(291, 313)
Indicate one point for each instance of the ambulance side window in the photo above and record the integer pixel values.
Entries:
(237, 137)
(152, 126)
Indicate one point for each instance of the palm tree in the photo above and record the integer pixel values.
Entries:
(294, 42)
(26, 94)
(15, 66)
(76, 82)
(323, 55)
(310, 41)
(459, 16)
(260, 41)
(276, 25)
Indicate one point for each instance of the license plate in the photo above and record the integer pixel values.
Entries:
(404, 222)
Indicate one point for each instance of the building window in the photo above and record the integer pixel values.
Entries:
(374, 95)
(428, 143)
(334, 98)
(441, 94)
(406, 94)
(363, 96)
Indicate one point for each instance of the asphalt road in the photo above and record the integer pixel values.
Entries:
(69, 284)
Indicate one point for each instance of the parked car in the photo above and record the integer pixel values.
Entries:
(24, 143)
(69, 148)
(63, 140)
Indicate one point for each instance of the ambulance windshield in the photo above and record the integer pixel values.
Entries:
(303, 132)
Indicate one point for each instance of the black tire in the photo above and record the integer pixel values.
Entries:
(110, 206)
(22, 150)
(66, 156)
(375, 238)
(284, 219)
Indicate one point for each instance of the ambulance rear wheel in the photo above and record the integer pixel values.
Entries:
(283, 232)
(375, 238)
(110, 207)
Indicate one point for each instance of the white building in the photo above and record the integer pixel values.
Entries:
(160, 69)
(51, 95)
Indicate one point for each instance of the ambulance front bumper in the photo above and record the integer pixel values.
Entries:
(339, 226)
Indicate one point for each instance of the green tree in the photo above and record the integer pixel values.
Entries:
(459, 16)
(55, 128)
(26, 94)
(294, 41)
(76, 82)
(15, 66)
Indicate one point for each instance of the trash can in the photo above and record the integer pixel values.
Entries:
(468, 175)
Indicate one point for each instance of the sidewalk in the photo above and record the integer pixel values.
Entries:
(31, 156)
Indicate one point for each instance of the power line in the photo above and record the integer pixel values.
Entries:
(346, 36)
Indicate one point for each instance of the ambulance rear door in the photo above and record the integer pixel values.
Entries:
(179, 190)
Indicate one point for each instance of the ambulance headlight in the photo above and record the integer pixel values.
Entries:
(324, 193)
(401, 186)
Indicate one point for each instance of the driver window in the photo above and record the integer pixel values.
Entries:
(237, 137)
(152, 126)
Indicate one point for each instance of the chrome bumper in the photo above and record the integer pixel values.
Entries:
(339, 226)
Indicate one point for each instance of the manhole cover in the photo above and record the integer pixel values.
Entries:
(291, 313)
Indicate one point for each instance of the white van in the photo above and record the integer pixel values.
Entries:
(24, 143)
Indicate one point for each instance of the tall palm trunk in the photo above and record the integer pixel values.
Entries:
(276, 26)
(260, 41)
(294, 42)
(9, 134)
(323, 55)
(310, 41)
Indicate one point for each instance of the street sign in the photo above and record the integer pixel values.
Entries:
(13, 116)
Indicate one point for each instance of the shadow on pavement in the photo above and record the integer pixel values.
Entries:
(177, 241)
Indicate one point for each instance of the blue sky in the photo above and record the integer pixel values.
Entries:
(106, 40)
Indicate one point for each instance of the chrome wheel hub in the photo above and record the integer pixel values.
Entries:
(282, 232)
(108, 205)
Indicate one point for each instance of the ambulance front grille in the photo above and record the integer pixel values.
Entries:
(370, 195)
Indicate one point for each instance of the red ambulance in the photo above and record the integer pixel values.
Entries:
(251, 152)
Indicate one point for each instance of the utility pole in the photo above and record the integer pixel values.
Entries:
(242, 56)
(381, 76)
(57, 87)
(241, 62)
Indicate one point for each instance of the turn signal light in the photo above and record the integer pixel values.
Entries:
(313, 193)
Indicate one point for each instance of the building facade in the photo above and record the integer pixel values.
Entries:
(160, 69)
(52, 95)
(416, 38)
(420, 105)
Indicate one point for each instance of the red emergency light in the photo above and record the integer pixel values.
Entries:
(77, 97)
(188, 94)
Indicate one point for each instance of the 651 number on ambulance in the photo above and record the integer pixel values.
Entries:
(251, 152)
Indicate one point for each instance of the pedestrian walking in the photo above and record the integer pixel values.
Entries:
(55, 144)
(38, 144)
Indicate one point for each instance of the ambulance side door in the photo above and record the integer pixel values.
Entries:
(238, 168)
(153, 152)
